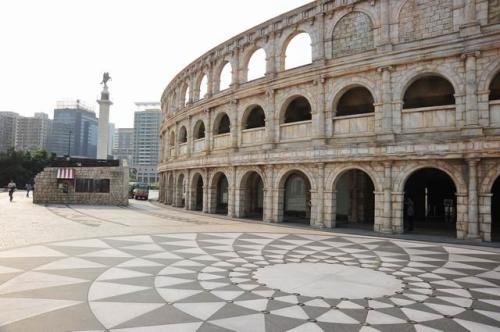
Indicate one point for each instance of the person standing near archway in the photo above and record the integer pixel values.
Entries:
(12, 187)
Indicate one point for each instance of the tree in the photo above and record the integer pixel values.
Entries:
(22, 166)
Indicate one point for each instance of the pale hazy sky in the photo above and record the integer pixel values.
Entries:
(54, 50)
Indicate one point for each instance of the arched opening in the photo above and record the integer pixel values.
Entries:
(495, 88)
(429, 91)
(430, 204)
(221, 194)
(203, 87)
(226, 77)
(172, 139)
(186, 95)
(256, 65)
(197, 193)
(298, 52)
(256, 118)
(495, 211)
(297, 198)
(297, 110)
(354, 200)
(199, 130)
(182, 135)
(223, 126)
(252, 196)
(181, 191)
(170, 189)
(358, 100)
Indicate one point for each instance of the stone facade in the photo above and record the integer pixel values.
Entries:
(47, 190)
(390, 144)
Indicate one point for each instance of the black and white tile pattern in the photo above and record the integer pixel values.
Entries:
(217, 282)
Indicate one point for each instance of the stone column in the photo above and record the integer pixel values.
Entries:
(386, 124)
(320, 215)
(176, 139)
(397, 212)
(205, 191)
(471, 105)
(385, 26)
(268, 194)
(210, 81)
(236, 69)
(235, 128)
(387, 225)
(186, 188)
(320, 45)
(319, 114)
(208, 131)
(473, 211)
(485, 216)
(190, 139)
(270, 120)
(271, 58)
(470, 24)
(231, 208)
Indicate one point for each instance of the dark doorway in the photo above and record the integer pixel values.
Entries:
(430, 204)
(495, 211)
(355, 200)
(297, 199)
(222, 195)
(198, 192)
(253, 196)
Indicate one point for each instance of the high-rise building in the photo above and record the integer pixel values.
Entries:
(32, 132)
(8, 124)
(74, 130)
(147, 141)
(123, 145)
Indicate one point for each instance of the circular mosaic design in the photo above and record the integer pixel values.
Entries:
(252, 282)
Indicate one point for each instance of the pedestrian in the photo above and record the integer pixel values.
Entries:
(12, 187)
(410, 213)
(28, 189)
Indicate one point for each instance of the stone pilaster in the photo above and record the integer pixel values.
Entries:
(471, 102)
(473, 202)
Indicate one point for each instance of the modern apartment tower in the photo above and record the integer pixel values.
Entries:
(8, 125)
(123, 145)
(147, 141)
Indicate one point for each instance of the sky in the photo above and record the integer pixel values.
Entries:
(55, 50)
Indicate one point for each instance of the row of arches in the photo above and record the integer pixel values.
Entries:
(429, 204)
(426, 91)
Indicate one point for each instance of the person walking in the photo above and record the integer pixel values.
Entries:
(410, 213)
(28, 189)
(12, 187)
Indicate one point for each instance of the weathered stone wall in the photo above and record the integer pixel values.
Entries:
(352, 34)
(493, 11)
(47, 192)
(421, 19)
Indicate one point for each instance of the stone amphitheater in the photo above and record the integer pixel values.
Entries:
(390, 123)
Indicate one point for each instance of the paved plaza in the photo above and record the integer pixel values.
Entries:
(147, 268)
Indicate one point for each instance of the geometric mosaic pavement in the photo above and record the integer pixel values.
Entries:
(209, 282)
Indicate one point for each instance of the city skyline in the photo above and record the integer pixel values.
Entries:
(141, 57)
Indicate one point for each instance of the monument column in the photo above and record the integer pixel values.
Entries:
(103, 124)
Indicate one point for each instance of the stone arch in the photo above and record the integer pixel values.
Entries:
(305, 203)
(204, 73)
(220, 126)
(185, 93)
(251, 187)
(454, 174)
(219, 68)
(182, 135)
(419, 19)
(411, 76)
(334, 176)
(172, 138)
(248, 114)
(352, 34)
(219, 197)
(487, 75)
(362, 93)
(288, 101)
(196, 199)
(180, 189)
(249, 55)
(342, 85)
(283, 173)
(285, 43)
(199, 130)
(492, 174)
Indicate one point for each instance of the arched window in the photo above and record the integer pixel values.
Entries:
(256, 118)
(224, 125)
(204, 87)
(199, 130)
(298, 109)
(186, 94)
(429, 91)
(352, 34)
(226, 77)
(357, 100)
(495, 88)
(257, 65)
(182, 135)
(298, 51)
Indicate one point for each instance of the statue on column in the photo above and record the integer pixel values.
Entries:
(105, 79)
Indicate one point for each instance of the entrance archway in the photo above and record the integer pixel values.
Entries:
(430, 203)
(354, 200)
(221, 194)
(181, 191)
(297, 198)
(197, 193)
(495, 211)
(252, 196)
